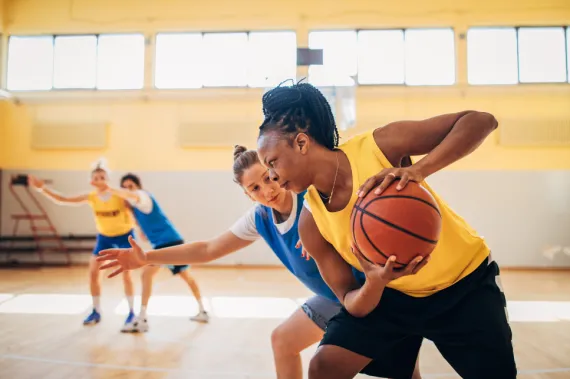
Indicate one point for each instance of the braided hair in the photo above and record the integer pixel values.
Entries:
(300, 108)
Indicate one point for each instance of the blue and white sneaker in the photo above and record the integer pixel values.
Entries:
(128, 322)
(139, 325)
(93, 318)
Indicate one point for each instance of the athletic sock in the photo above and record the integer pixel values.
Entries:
(142, 313)
(131, 301)
(97, 303)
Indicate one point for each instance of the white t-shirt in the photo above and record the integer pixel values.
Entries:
(307, 207)
(144, 204)
(245, 228)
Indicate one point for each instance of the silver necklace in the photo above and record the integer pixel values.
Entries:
(328, 199)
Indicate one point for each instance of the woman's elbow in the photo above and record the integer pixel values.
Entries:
(486, 121)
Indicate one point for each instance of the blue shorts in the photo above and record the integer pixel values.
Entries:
(104, 242)
(174, 269)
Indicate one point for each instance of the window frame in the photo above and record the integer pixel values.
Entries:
(335, 30)
(565, 28)
(202, 32)
(403, 30)
(69, 89)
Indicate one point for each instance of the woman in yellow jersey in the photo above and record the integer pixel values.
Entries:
(453, 300)
(114, 226)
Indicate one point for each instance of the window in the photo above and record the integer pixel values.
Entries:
(178, 61)
(339, 58)
(75, 62)
(411, 57)
(381, 57)
(542, 55)
(30, 63)
(492, 56)
(120, 62)
(225, 59)
(272, 58)
(430, 57)
(568, 53)
(517, 55)
(255, 59)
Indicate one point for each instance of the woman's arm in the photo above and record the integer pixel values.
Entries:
(188, 253)
(125, 194)
(337, 273)
(198, 252)
(445, 139)
(39, 185)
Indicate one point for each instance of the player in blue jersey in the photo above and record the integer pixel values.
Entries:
(274, 219)
(160, 233)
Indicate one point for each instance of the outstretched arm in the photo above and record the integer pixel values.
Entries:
(125, 194)
(188, 253)
(198, 252)
(53, 195)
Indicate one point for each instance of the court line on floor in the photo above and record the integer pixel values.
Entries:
(222, 373)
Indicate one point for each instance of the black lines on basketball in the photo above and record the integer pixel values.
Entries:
(364, 211)
(353, 221)
(406, 223)
(406, 197)
(370, 240)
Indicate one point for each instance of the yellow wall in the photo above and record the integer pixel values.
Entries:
(3, 105)
(3, 150)
(2, 13)
(152, 124)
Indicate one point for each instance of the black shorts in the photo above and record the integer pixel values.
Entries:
(468, 323)
(174, 269)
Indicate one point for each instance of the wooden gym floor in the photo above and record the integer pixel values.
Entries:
(41, 335)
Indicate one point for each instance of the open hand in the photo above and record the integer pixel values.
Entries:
(124, 259)
(385, 177)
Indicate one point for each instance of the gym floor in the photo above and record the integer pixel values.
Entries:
(42, 336)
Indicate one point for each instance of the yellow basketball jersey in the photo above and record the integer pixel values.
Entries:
(459, 250)
(111, 215)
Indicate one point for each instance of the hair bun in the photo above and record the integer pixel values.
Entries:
(239, 150)
(100, 165)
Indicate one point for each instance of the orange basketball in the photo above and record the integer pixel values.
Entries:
(404, 223)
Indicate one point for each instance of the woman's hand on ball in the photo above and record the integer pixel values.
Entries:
(385, 177)
(385, 274)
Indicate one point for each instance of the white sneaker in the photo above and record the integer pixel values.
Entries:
(139, 325)
(201, 317)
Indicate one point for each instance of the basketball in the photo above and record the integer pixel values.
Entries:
(404, 223)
